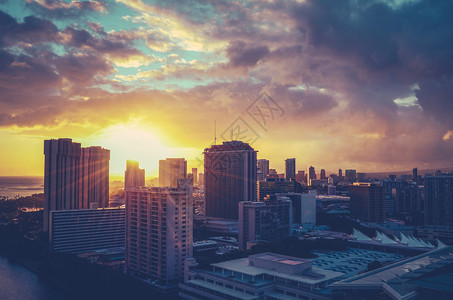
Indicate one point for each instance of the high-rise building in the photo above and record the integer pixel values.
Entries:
(133, 176)
(230, 177)
(340, 173)
(367, 202)
(439, 199)
(351, 175)
(323, 174)
(200, 179)
(300, 176)
(195, 176)
(303, 207)
(74, 177)
(290, 169)
(159, 225)
(263, 169)
(94, 170)
(414, 174)
(264, 221)
(170, 170)
(310, 175)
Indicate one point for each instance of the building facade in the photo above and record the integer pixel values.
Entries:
(195, 176)
(303, 207)
(268, 189)
(264, 276)
(311, 175)
(159, 226)
(170, 170)
(85, 230)
(133, 176)
(439, 199)
(74, 177)
(264, 221)
(350, 175)
(263, 169)
(367, 202)
(290, 169)
(230, 177)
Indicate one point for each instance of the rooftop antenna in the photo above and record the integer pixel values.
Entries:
(215, 132)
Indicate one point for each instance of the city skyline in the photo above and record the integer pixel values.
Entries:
(148, 80)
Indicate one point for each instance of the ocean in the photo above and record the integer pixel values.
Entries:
(17, 282)
(12, 186)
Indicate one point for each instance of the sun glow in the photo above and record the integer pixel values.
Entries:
(133, 142)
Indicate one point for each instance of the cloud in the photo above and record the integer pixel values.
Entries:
(32, 30)
(60, 9)
(335, 68)
(240, 54)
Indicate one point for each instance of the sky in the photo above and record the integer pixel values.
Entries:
(366, 85)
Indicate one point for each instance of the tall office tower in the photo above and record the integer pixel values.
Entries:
(264, 221)
(195, 176)
(303, 208)
(133, 176)
(340, 173)
(263, 169)
(367, 202)
(409, 201)
(351, 175)
(323, 174)
(300, 176)
(200, 179)
(74, 177)
(414, 174)
(61, 176)
(439, 199)
(290, 169)
(94, 180)
(159, 225)
(170, 170)
(310, 175)
(230, 177)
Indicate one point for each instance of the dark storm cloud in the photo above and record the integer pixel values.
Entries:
(388, 49)
(436, 98)
(413, 39)
(241, 54)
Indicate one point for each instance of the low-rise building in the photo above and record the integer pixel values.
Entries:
(266, 276)
(85, 230)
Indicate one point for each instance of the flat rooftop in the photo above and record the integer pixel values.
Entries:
(245, 266)
(394, 276)
(282, 259)
(352, 261)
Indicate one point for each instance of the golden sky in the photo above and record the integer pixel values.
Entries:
(335, 84)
